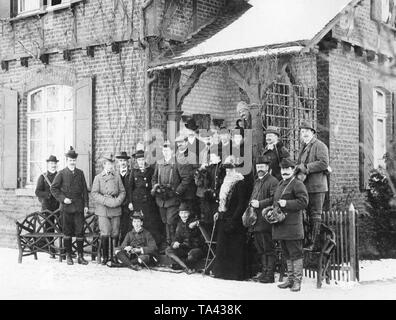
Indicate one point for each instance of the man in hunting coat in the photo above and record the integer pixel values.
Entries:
(274, 150)
(125, 224)
(70, 189)
(109, 194)
(313, 164)
(263, 197)
(138, 248)
(186, 250)
(43, 193)
(291, 197)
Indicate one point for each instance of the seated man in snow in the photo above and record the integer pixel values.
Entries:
(186, 250)
(139, 247)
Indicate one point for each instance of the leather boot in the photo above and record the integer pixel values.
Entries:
(114, 245)
(270, 276)
(80, 258)
(105, 250)
(68, 248)
(298, 274)
(315, 231)
(261, 277)
(290, 276)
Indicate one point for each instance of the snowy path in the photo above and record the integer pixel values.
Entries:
(48, 279)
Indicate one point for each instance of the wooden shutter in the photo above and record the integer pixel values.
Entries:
(13, 8)
(366, 141)
(376, 10)
(9, 134)
(83, 99)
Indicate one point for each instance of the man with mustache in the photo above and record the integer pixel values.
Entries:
(291, 197)
(70, 189)
(313, 165)
(274, 150)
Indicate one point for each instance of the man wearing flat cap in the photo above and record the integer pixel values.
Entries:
(125, 225)
(274, 150)
(70, 189)
(109, 193)
(313, 163)
(291, 197)
(43, 193)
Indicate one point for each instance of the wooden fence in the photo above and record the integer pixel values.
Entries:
(344, 262)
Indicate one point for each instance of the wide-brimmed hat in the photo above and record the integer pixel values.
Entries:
(273, 129)
(287, 163)
(138, 154)
(71, 153)
(52, 158)
(191, 124)
(307, 125)
(138, 214)
(108, 157)
(123, 155)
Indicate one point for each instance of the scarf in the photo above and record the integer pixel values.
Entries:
(226, 189)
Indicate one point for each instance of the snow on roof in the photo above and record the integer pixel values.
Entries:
(271, 21)
(230, 56)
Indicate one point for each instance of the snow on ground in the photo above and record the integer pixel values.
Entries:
(46, 278)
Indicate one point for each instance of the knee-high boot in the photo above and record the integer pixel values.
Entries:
(68, 248)
(80, 252)
(263, 261)
(298, 274)
(114, 245)
(290, 276)
(105, 249)
(126, 262)
(270, 278)
(315, 231)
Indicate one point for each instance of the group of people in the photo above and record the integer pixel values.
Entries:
(199, 183)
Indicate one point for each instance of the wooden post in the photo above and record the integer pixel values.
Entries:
(352, 241)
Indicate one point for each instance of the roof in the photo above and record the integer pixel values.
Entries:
(265, 23)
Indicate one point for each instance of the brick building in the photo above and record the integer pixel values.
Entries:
(109, 70)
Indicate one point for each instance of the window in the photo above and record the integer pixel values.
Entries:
(379, 128)
(385, 11)
(28, 5)
(50, 127)
(53, 3)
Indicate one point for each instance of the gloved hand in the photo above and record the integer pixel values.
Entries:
(301, 168)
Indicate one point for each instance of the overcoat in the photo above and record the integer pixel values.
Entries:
(276, 155)
(43, 192)
(142, 239)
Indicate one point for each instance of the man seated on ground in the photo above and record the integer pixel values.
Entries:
(138, 248)
(186, 250)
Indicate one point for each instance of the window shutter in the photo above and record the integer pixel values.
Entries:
(376, 10)
(5, 9)
(366, 143)
(9, 134)
(83, 98)
(13, 8)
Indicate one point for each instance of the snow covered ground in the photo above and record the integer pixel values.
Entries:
(46, 278)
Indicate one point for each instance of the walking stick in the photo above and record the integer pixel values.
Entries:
(210, 245)
(140, 260)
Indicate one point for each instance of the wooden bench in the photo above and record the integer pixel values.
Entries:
(41, 231)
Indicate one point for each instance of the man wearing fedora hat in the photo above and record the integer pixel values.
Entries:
(313, 164)
(43, 193)
(274, 150)
(262, 197)
(109, 193)
(70, 189)
(291, 197)
(138, 248)
(124, 172)
(140, 198)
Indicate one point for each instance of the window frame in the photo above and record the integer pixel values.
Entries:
(44, 114)
(28, 11)
(379, 115)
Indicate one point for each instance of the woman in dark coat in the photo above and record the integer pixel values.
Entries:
(230, 260)
(141, 199)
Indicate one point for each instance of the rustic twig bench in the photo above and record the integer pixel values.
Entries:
(41, 231)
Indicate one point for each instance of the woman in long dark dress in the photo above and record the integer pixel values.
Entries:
(230, 260)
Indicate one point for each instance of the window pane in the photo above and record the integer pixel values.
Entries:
(35, 151)
(35, 129)
(385, 10)
(36, 100)
(68, 97)
(28, 5)
(35, 171)
(53, 101)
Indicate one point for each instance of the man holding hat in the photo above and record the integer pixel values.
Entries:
(109, 194)
(262, 197)
(138, 247)
(140, 197)
(274, 150)
(291, 197)
(70, 189)
(43, 193)
(313, 163)
(125, 225)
